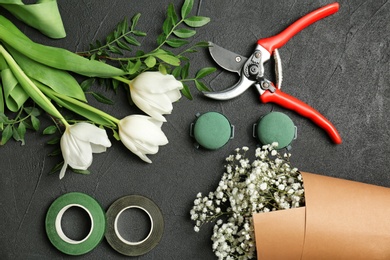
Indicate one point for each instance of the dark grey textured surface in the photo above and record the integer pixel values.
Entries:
(339, 65)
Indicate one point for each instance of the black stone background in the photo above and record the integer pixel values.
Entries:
(339, 65)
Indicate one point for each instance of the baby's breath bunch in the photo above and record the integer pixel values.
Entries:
(267, 184)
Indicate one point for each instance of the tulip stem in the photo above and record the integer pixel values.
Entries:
(121, 79)
(30, 88)
(58, 97)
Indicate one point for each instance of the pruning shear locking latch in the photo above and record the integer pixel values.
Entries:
(251, 71)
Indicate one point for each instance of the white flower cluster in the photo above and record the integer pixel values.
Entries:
(269, 183)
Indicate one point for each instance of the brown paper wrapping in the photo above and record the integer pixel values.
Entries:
(341, 220)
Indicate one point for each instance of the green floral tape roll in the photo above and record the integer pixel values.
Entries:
(56, 234)
(113, 235)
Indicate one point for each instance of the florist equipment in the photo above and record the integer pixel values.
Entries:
(251, 71)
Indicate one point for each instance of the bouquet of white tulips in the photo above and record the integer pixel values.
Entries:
(41, 73)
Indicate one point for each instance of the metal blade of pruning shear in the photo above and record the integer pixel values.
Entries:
(226, 59)
(237, 89)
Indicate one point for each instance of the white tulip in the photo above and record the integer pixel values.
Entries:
(142, 135)
(154, 92)
(78, 143)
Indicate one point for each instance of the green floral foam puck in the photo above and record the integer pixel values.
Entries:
(276, 127)
(212, 130)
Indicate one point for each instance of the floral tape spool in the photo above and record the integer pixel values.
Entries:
(53, 223)
(275, 127)
(212, 130)
(113, 235)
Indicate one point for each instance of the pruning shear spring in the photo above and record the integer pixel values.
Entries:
(251, 71)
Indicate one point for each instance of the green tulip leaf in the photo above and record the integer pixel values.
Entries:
(58, 80)
(43, 16)
(14, 95)
(52, 56)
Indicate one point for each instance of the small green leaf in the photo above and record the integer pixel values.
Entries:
(186, 92)
(123, 45)
(16, 135)
(172, 13)
(115, 84)
(167, 26)
(134, 21)
(161, 38)
(167, 57)
(52, 129)
(6, 134)
(204, 72)
(184, 33)
(117, 33)
(85, 172)
(98, 44)
(35, 122)
(202, 44)
(123, 26)
(87, 84)
(54, 140)
(56, 168)
(162, 69)
(3, 118)
(201, 86)
(186, 8)
(32, 111)
(55, 152)
(185, 71)
(176, 72)
(134, 69)
(139, 53)
(115, 50)
(116, 135)
(21, 130)
(175, 43)
(132, 41)
(197, 21)
(102, 99)
(139, 33)
(150, 61)
(184, 58)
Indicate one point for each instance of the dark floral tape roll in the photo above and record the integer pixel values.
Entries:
(154, 236)
(56, 234)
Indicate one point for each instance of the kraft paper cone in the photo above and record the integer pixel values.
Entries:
(342, 220)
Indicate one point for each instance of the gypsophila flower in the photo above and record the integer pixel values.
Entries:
(268, 183)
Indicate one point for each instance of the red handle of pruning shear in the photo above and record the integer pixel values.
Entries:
(277, 41)
(292, 103)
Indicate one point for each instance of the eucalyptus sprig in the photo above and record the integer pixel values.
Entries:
(170, 54)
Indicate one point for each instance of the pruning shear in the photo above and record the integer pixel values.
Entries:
(251, 71)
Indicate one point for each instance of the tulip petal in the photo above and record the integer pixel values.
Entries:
(174, 95)
(150, 107)
(146, 148)
(145, 128)
(155, 82)
(141, 135)
(90, 133)
(154, 92)
(98, 148)
(161, 102)
(78, 143)
(63, 169)
(76, 152)
(128, 142)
